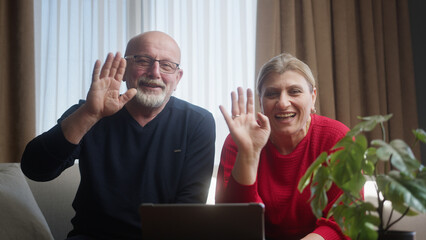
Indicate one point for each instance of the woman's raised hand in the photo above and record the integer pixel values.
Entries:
(250, 134)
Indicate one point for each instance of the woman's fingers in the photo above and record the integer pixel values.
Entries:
(250, 100)
(228, 118)
(241, 101)
(240, 108)
(239, 105)
(263, 121)
(234, 104)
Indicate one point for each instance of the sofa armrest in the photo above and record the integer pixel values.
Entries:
(21, 217)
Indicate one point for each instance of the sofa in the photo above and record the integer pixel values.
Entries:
(21, 218)
(55, 200)
(32, 210)
(43, 211)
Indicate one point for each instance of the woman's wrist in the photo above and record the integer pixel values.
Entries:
(245, 168)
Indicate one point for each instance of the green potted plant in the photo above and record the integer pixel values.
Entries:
(350, 163)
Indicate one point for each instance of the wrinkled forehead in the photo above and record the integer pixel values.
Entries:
(276, 79)
(155, 44)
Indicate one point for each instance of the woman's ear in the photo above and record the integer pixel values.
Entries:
(314, 98)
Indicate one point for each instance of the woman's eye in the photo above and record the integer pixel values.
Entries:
(271, 94)
(295, 91)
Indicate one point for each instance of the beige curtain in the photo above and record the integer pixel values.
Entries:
(17, 86)
(359, 51)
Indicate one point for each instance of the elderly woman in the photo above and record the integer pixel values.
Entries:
(264, 158)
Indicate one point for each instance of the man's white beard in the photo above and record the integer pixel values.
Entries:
(150, 100)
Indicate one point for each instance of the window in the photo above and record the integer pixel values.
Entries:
(217, 39)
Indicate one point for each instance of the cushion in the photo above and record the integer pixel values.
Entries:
(21, 217)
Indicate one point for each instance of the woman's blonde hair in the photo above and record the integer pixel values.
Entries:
(282, 63)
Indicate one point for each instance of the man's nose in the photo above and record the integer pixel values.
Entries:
(154, 70)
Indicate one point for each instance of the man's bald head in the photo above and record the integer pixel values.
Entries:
(154, 40)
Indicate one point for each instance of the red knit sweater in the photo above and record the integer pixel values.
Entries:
(288, 214)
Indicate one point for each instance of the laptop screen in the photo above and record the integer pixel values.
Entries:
(202, 222)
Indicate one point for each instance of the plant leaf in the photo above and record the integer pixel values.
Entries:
(347, 164)
(403, 192)
(306, 178)
(404, 160)
(420, 134)
(377, 118)
(355, 185)
(347, 167)
(370, 161)
(384, 151)
(319, 187)
(400, 155)
(368, 124)
(338, 216)
(368, 232)
(356, 220)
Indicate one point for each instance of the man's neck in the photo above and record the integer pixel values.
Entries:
(143, 114)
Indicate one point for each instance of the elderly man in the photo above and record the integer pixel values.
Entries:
(143, 146)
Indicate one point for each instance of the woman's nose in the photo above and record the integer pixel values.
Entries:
(283, 101)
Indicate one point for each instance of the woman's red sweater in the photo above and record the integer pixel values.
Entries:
(288, 214)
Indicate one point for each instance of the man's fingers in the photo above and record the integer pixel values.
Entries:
(121, 70)
(127, 96)
(96, 70)
(107, 66)
(116, 62)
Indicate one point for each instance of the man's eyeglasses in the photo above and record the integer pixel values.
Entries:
(146, 62)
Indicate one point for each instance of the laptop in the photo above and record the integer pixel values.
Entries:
(202, 221)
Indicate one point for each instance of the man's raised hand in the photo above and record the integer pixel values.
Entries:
(104, 97)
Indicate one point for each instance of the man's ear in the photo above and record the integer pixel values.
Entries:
(178, 77)
(180, 74)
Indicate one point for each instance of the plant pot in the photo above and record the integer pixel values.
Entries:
(397, 235)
